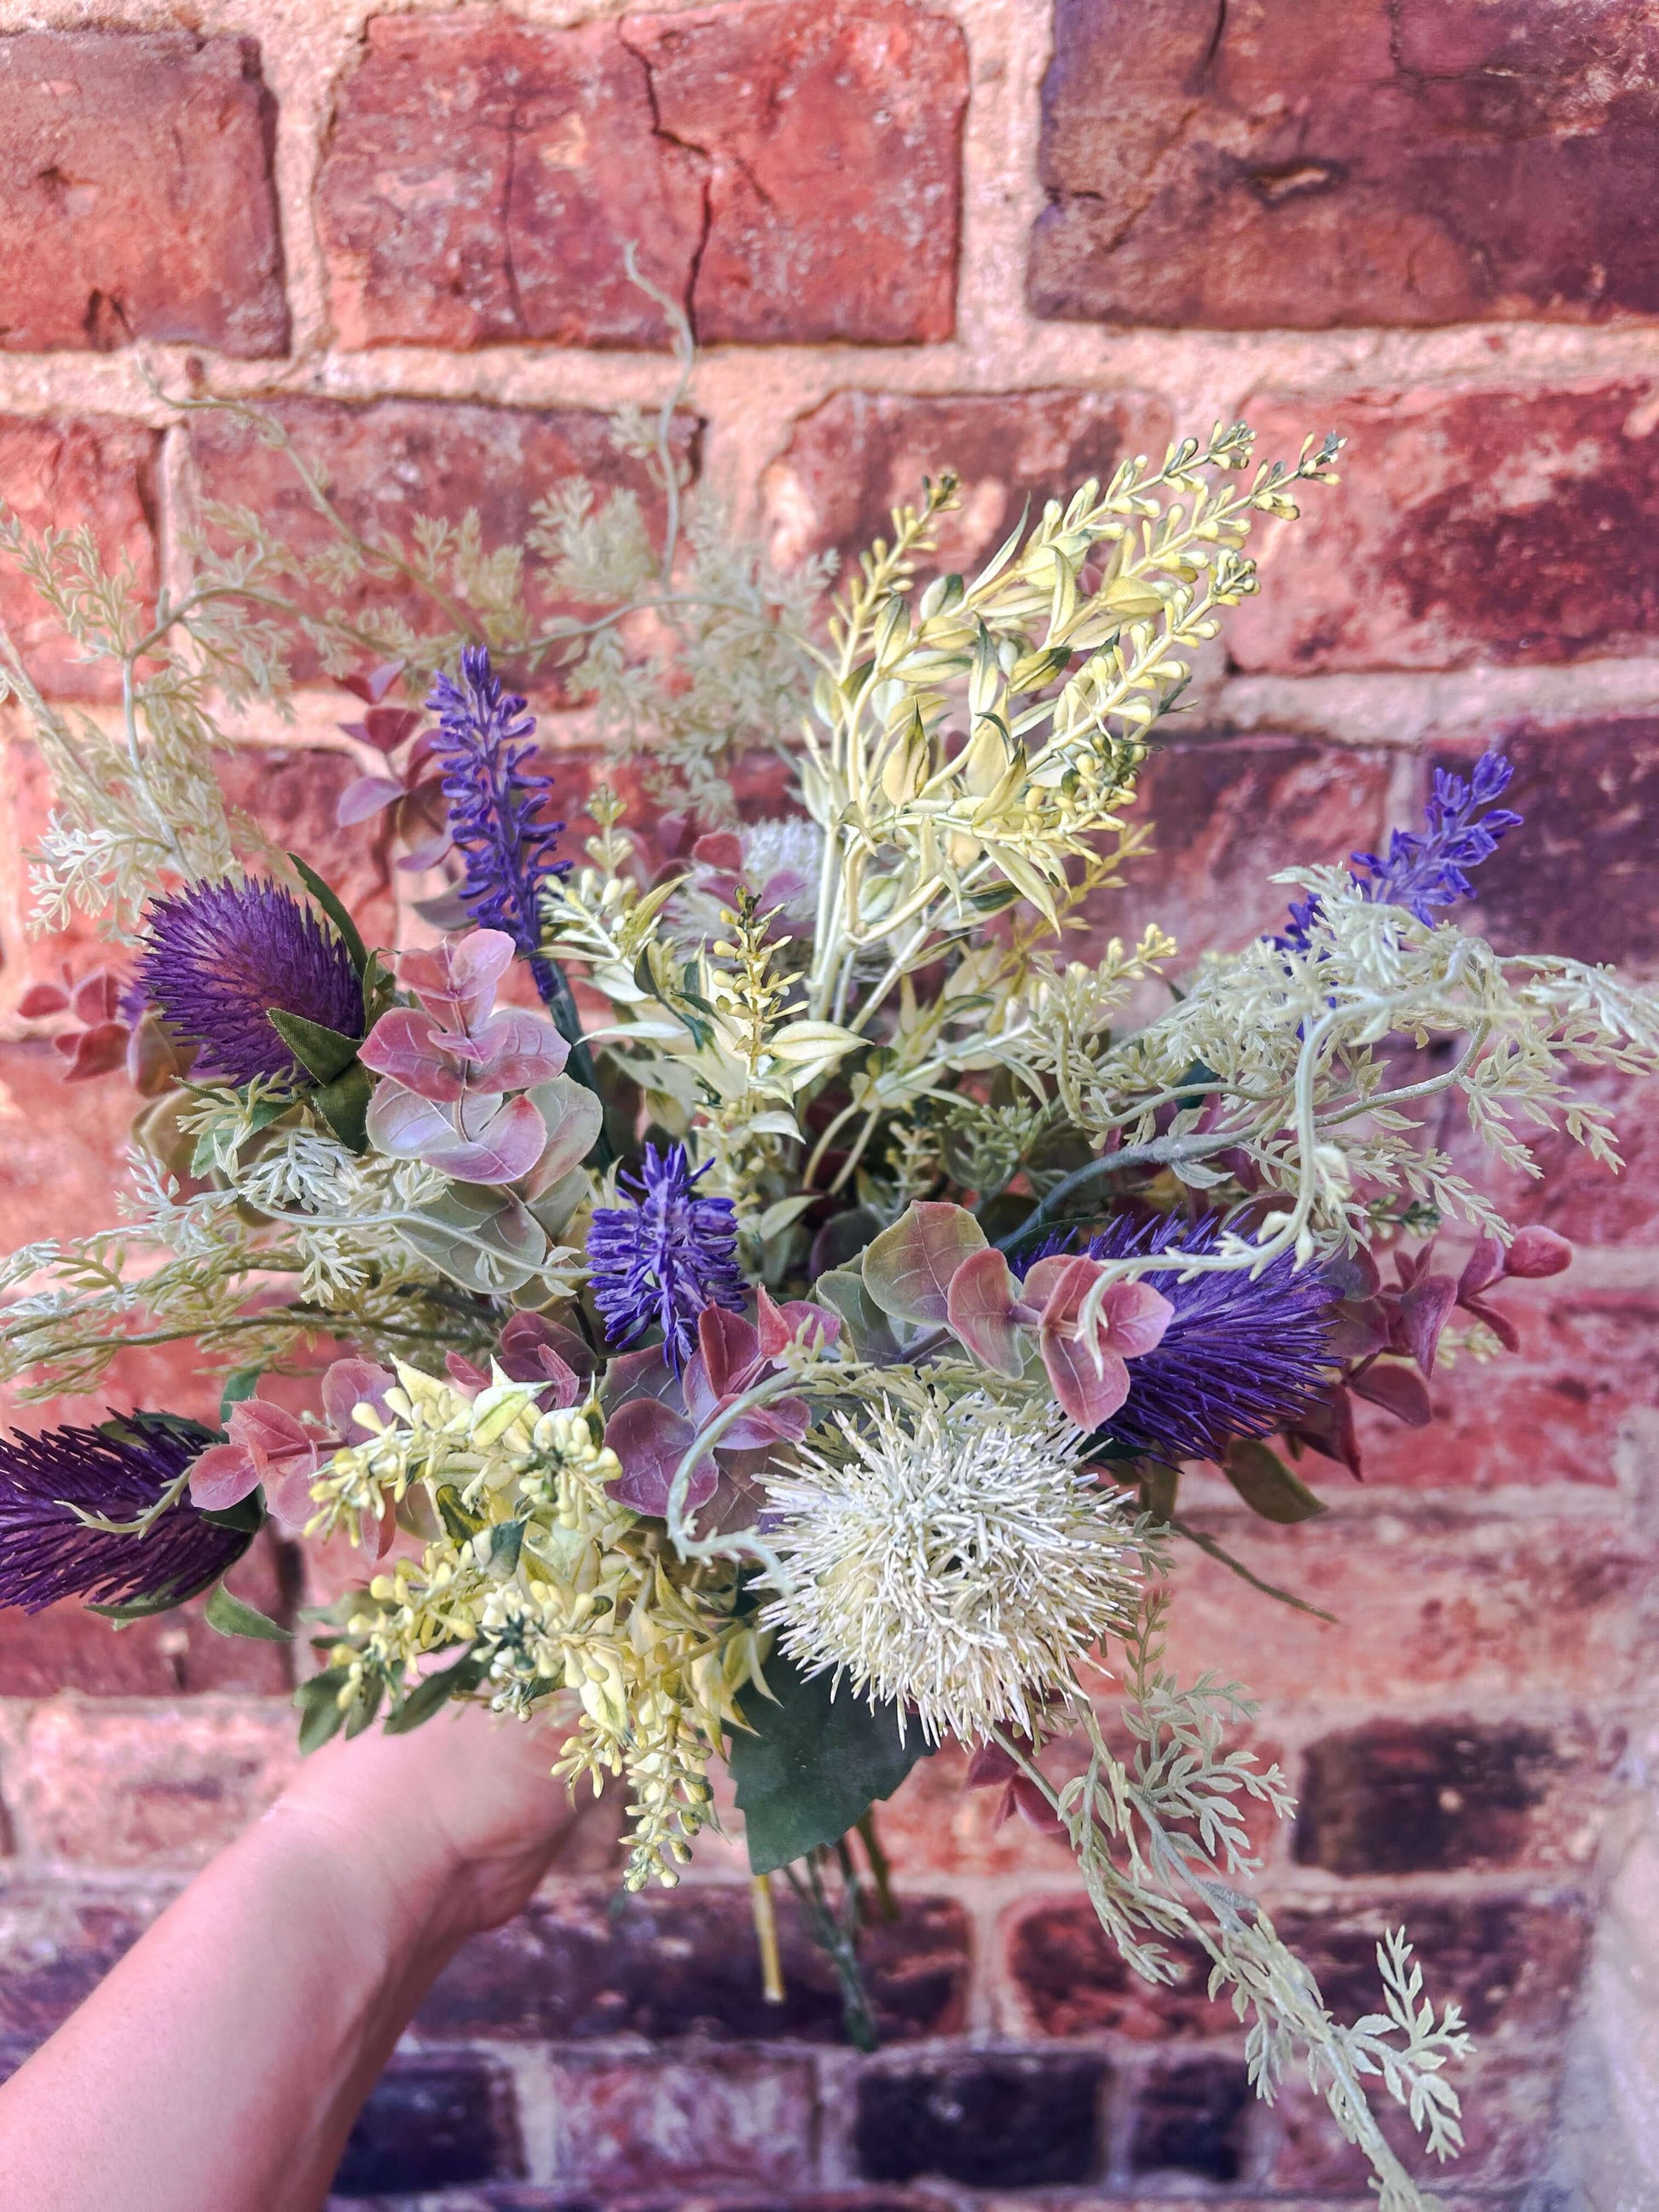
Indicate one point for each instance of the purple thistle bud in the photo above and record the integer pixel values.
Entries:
(1463, 826)
(1241, 1357)
(219, 957)
(497, 806)
(665, 1256)
(118, 1470)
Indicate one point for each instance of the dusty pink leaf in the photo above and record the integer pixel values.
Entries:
(41, 1001)
(1499, 1323)
(403, 1045)
(401, 1122)
(365, 796)
(348, 1384)
(574, 1118)
(639, 1374)
(494, 1147)
(513, 1050)
(1089, 1387)
(1423, 1312)
(1482, 1267)
(797, 1319)
(728, 1352)
(464, 1374)
(651, 1439)
(94, 1051)
(985, 1310)
(907, 1268)
(427, 854)
(1534, 1252)
(1133, 1316)
(457, 983)
(1043, 1275)
(222, 1477)
(96, 998)
(1401, 1389)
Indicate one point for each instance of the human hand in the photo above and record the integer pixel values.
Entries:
(460, 1819)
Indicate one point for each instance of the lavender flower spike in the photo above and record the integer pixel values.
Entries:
(219, 957)
(1243, 1355)
(665, 1256)
(119, 1471)
(1463, 824)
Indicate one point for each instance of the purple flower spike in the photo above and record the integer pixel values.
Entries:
(1241, 1357)
(497, 806)
(665, 1256)
(118, 1470)
(220, 956)
(1463, 824)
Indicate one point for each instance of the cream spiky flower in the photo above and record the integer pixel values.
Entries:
(954, 1561)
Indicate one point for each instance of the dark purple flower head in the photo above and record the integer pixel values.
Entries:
(219, 957)
(665, 1256)
(497, 807)
(1241, 1357)
(118, 1470)
(1462, 825)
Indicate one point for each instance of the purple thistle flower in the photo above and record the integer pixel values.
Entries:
(118, 1470)
(1462, 827)
(1241, 1357)
(665, 1256)
(497, 806)
(220, 956)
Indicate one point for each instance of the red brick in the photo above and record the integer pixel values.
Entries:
(1513, 1962)
(482, 178)
(857, 456)
(578, 1965)
(1434, 1606)
(989, 2119)
(391, 461)
(59, 1169)
(1394, 162)
(932, 1823)
(1191, 2116)
(66, 1648)
(1225, 815)
(136, 193)
(1428, 1796)
(1553, 1412)
(1577, 878)
(1069, 1978)
(725, 2116)
(432, 2119)
(1573, 1192)
(60, 472)
(1509, 2108)
(146, 1784)
(1506, 526)
(56, 1943)
(832, 135)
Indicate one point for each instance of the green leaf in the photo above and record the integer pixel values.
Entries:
(1267, 1485)
(323, 1052)
(343, 1104)
(247, 1513)
(240, 1386)
(867, 1327)
(907, 1269)
(434, 1691)
(267, 1110)
(143, 1608)
(231, 1617)
(321, 1715)
(814, 1765)
(350, 936)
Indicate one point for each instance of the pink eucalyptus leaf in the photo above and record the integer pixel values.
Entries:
(271, 1432)
(222, 1476)
(373, 688)
(728, 1347)
(401, 1123)
(990, 1768)
(427, 854)
(41, 1001)
(641, 1375)
(984, 1308)
(783, 1421)
(1499, 1323)
(364, 797)
(464, 1374)
(1090, 1386)
(96, 998)
(721, 849)
(799, 1320)
(651, 1439)
(1482, 1268)
(1360, 1327)
(1329, 1426)
(1423, 1313)
(524, 1332)
(457, 983)
(404, 1044)
(515, 1049)
(288, 1496)
(1042, 1275)
(1133, 1317)
(498, 1149)
(1401, 1389)
(348, 1384)
(94, 1051)
(1534, 1252)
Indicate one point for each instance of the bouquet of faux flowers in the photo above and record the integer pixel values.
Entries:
(779, 1289)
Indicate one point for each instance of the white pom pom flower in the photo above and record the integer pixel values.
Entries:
(956, 1562)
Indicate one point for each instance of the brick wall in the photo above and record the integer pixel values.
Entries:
(1020, 238)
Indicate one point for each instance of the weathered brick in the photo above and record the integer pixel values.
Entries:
(933, 1822)
(146, 1785)
(787, 174)
(391, 461)
(832, 138)
(1433, 1607)
(1577, 878)
(66, 1648)
(481, 178)
(733, 2116)
(1509, 2114)
(1504, 525)
(857, 455)
(992, 2121)
(1067, 1977)
(1402, 1798)
(1573, 1191)
(1512, 1962)
(430, 2121)
(62, 472)
(136, 193)
(56, 1943)
(1395, 161)
(1190, 2119)
(578, 1965)
(1226, 814)
(1553, 1412)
